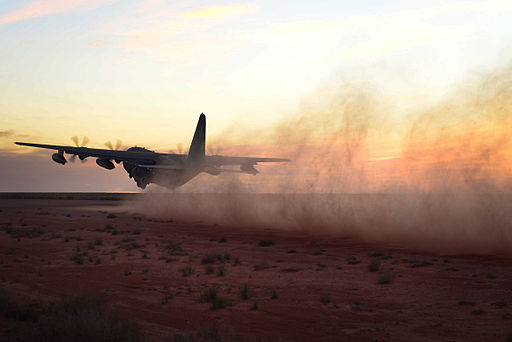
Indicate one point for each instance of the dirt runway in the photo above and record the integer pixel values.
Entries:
(271, 285)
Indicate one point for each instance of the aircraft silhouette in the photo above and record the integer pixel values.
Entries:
(165, 169)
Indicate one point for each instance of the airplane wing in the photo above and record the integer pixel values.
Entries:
(138, 157)
(223, 160)
(213, 163)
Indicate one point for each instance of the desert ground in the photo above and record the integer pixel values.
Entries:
(176, 279)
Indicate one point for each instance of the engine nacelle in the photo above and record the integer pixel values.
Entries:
(105, 163)
(59, 158)
(249, 168)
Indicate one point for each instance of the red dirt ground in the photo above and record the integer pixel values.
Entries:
(321, 295)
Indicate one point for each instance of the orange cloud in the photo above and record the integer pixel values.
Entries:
(40, 8)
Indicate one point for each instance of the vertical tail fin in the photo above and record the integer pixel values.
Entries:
(197, 147)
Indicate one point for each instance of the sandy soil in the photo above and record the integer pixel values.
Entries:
(326, 288)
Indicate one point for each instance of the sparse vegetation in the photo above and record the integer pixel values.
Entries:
(261, 266)
(266, 243)
(275, 295)
(236, 262)
(186, 271)
(467, 303)
(78, 258)
(374, 266)
(353, 260)
(385, 278)
(209, 269)
(477, 312)
(221, 271)
(205, 334)
(325, 300)
(244, 292)
(212, 297)
(78, 319)
(254, 306)
(25, 233)
(111, 216)
(211, 258)
(167, 297)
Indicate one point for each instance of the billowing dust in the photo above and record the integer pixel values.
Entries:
(436, 178)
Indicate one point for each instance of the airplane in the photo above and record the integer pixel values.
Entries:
(165, 169)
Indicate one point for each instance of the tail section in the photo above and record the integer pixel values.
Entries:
(196, 151)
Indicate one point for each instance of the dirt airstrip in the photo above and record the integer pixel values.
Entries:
(254, 284)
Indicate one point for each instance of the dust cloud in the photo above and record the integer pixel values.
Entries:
(437, 178)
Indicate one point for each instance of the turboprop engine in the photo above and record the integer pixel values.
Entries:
(105, 163)
(59, 158)
(249, 168)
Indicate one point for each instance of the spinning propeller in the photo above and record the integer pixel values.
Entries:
(117, 147)
(75, 139)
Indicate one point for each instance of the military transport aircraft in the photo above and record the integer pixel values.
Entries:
(165, 169)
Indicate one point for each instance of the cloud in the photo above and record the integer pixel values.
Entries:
(41, 8)
(219, 12)
(6, 134)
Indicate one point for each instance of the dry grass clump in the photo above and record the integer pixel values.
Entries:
(385, 278)
(266, 243)
(75, 319)
(374, 266)
(212, 297)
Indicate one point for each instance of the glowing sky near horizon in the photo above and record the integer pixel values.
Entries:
(142, 71)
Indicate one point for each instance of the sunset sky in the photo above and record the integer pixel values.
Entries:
(142, 71)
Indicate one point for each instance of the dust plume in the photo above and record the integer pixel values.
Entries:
(437, 178)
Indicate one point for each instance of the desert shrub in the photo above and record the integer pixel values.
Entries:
(25, 233)
(266, 243)
(221, 271)
(375, 254)
(467, 303)
(209, 269)
(275, 295)
(111, 216)
(167, 296)
(186, 271)
(385, 278)
(261, 266)
(353, 260)
(325, 300)
(244, 292)
(75, 319)
(205, 334)
(78, 258)
(212, 297)
(374, 266)
(254, 306)
(210, 258)
(236, 262)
